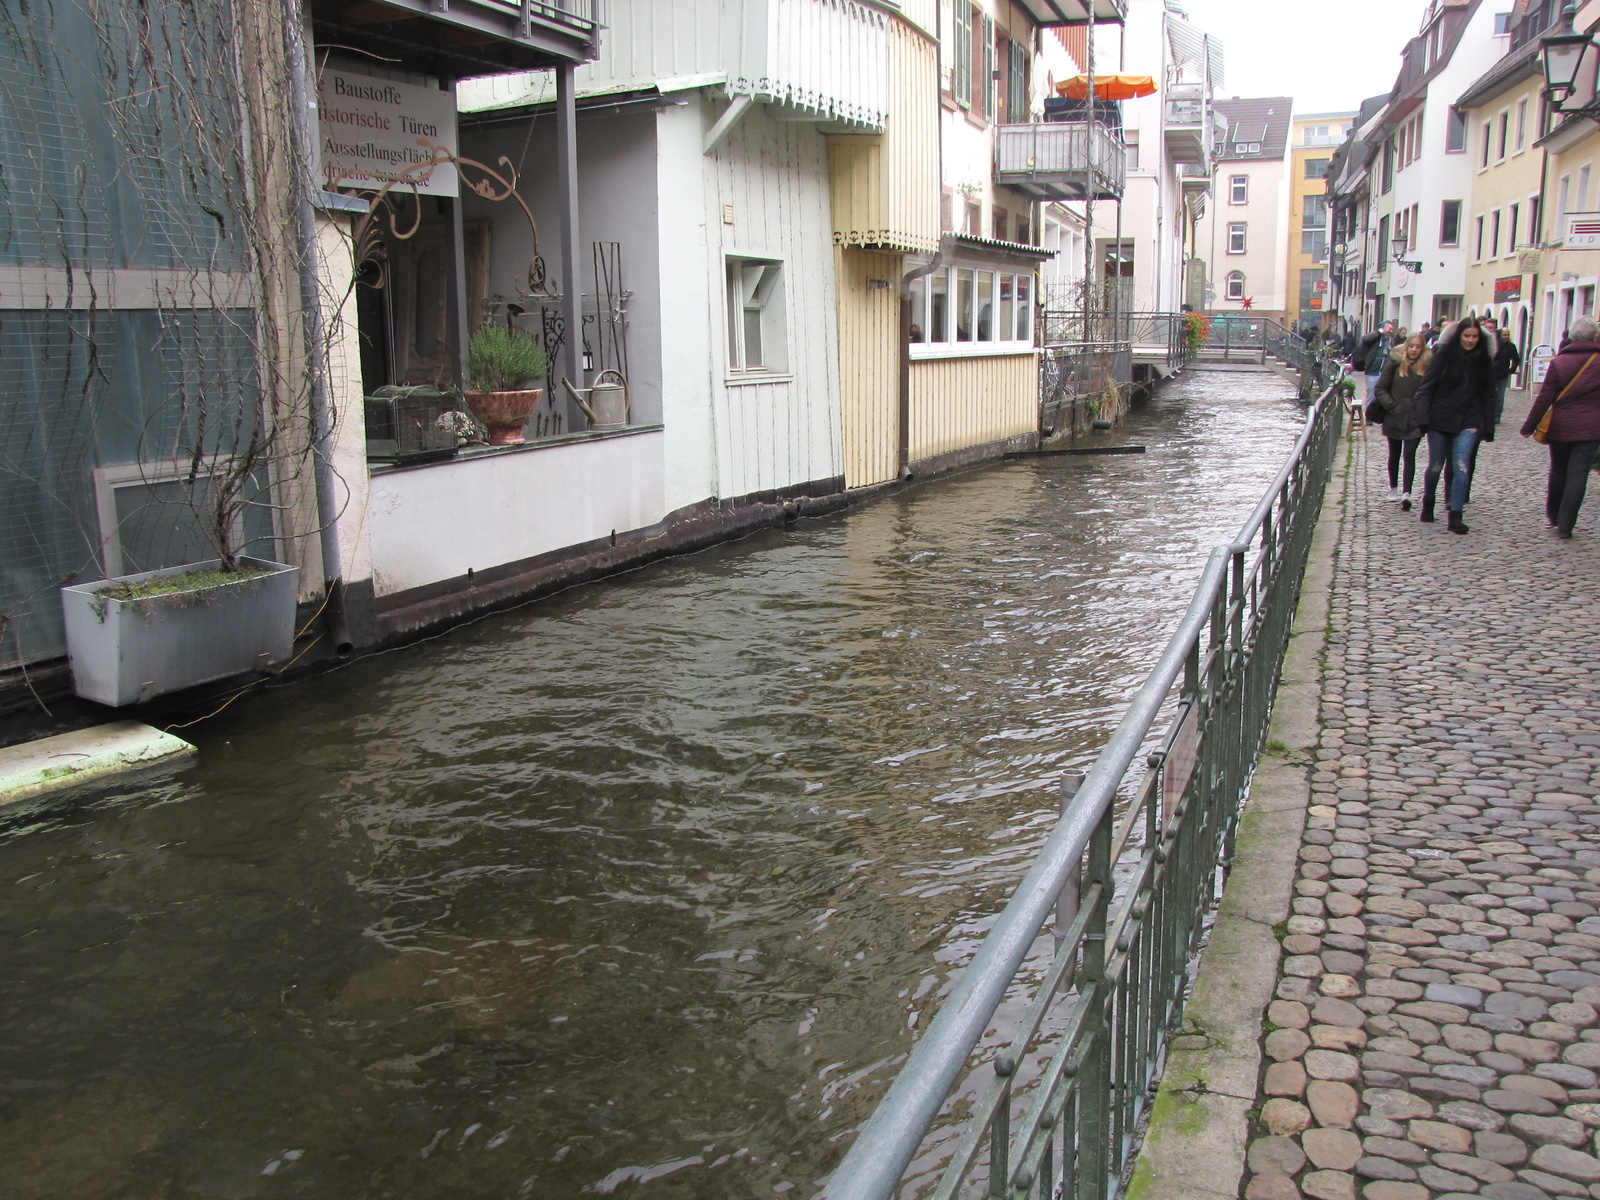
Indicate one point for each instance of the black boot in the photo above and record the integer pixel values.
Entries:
(1457, 525)
(1427, 507)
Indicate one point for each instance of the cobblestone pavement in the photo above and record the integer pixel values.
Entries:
(1436, 1031)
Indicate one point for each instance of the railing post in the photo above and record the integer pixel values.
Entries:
(1067, 901)
(1094, 1150)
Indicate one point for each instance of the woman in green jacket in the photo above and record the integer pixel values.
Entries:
(1397, 394)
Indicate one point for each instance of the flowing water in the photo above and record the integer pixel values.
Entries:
(640, 891)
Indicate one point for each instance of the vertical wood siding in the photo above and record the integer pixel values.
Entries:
(886, 187)
(784, 431)
(962, 402)
(869, 365)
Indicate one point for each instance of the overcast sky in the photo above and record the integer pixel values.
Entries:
(1328, 56)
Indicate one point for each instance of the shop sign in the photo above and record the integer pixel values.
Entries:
(1540, 358)
(374, 131)
(1583, 231)
(1508, 289)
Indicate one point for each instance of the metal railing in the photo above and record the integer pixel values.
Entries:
(1154, 336)
(1057, 160)
(1060, 1117)
(1072, 378)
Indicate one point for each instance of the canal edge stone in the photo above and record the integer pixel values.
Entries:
(1200, 1122)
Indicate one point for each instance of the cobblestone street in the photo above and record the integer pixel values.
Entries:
(1436, 1027)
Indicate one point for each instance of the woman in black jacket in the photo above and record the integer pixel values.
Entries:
(1455, 408)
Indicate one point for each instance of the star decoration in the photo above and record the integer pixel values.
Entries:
(1248, 303)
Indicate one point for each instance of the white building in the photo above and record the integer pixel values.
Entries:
(1424, 171)
(1244, 235)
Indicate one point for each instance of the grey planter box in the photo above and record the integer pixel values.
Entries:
(127, 651)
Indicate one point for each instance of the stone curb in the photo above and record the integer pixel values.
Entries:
(1200, 1122)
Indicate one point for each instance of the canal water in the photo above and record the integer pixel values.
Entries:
(640, 891)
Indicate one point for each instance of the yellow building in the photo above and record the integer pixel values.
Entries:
(1314, 139)
(1500, 227)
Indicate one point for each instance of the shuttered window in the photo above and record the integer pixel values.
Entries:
(961, 71)
(1017, 106)
(987, 82)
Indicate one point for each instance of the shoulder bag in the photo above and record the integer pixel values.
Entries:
(1541, 432)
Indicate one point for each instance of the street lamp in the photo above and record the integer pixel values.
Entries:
(1564, 55)
(1399, 246)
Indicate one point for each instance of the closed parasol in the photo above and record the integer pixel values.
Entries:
(1107, 87)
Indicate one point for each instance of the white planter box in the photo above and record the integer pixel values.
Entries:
(128, 651)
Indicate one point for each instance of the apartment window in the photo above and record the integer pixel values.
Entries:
(1310, 294)
(1512, 231)
(961, 69)
(1563, 194)
(1383, 242)
(1131, 137)
(1314, 212)
(1488, 134)
(1583, 191)
(757, 329)
(1535, 233)
(1450, 223)
(1017, 100)
(1235, 285)
(966, 296)
(1477, 249)
(1236, 238)
(938, 306)
(1455, 137)
(1239, 189)
(974, 218)
(1494, 234)
(1316, 168)
(1023, 230)
(1388, 166)
(1314, 244)
(1001, 220)
(1505, 135)
(1522, 125)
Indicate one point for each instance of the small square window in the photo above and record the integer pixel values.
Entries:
(757, 324)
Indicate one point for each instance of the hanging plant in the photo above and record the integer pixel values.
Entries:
(1196, 330)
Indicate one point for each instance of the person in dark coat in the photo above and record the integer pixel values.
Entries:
(1455, 409)
(1574, 426)
(1507, 362)
(1397, 395)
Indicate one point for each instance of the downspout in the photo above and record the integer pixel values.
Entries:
(1533, 288)
(335, 625)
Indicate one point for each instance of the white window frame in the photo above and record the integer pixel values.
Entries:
(1021, 280)
(1235, 285)
(107, 480)
(1238, 184)
(1239, 231)
(766, 295)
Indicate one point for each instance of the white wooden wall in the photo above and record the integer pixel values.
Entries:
(786, 431)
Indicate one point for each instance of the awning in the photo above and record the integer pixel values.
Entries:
(1107, 87)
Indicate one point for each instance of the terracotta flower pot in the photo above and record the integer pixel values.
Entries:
(505, 413)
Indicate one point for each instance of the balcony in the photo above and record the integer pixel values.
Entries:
(461, 39)
(1189, 125)
(1056, 160)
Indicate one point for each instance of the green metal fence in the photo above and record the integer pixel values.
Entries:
(1128, 891)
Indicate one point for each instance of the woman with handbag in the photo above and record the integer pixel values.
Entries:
(1455, 408)
(1566, 417)
(1396, 400)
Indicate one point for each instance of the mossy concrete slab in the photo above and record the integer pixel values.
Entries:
(1200, 1122)
(98, 755)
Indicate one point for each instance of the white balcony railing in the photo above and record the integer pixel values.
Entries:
(1061, 160)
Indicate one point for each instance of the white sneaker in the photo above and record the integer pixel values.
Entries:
(1394, 493)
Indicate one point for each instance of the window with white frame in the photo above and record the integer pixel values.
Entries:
(1236, 285)
(972, 307)
(1236, 243)
(757, 325)
(1239, 189)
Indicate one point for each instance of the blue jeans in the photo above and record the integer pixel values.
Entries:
(1457, 447)
(1372, 386)
(1500, 386)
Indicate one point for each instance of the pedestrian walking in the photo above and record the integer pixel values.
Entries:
(1455, 408)
(1372, 356)
(1571, 399)
(1397, 396)
(1507, 362)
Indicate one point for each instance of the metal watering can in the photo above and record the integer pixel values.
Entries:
(607, 404)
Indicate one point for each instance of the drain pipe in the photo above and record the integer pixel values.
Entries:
(336, 626)
(906, 319)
